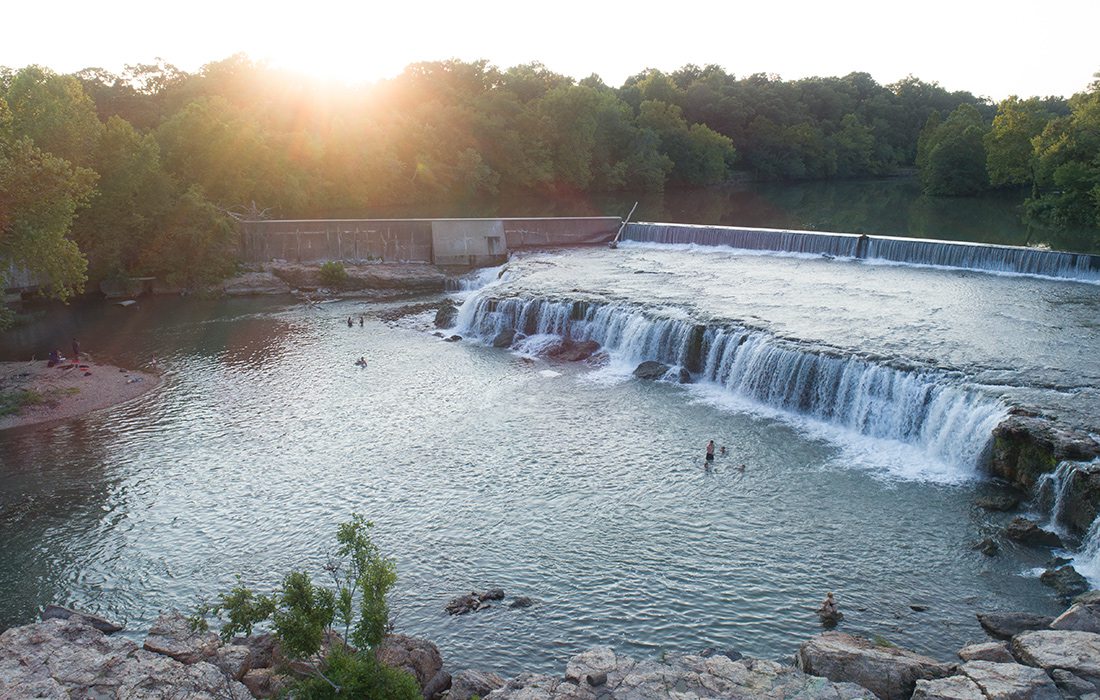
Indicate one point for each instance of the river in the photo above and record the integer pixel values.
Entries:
(573, 484)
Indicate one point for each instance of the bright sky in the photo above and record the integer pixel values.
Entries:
(991, 48)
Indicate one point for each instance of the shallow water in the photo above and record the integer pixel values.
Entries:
(576, 486)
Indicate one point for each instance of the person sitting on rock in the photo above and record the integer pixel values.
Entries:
(55, 359)
(828, 612)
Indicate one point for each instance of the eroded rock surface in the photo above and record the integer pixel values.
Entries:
(419, 657)
(1071, 650)
(1007, 625)
(602, 674)
(889, 672)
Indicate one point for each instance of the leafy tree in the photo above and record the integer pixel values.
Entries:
(956, 157)
(303, 616)
(53, 112)
(1009, 153)
(193, 245)
(39, 196)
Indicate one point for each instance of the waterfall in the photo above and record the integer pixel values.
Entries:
(1051, 489)
(922, 408)
(911, 251)
(1087, 559)
(475, 280)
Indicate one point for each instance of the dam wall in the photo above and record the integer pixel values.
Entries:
(912, 251)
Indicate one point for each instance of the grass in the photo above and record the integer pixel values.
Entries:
(13, 402)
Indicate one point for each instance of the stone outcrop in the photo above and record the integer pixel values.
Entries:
(573, 350)
(420, 658)
(171, 635)
(601, 674)
(1010, 681)
(58, 612)
(504, 339)
(470, 683)
(989, 651)
(1028, 532)
(63, 658)
(1007, 625)
(1070, 650)
(889, 672)
(1081, 502)
(1083, 615)
(446, 315)
(651, 370)
(1066, 581)
(474, 601)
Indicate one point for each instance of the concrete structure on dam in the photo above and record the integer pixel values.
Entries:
(437, 241)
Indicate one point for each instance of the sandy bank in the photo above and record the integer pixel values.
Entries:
(47, 394)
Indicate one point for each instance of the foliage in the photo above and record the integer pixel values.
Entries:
(333, 274)
(955, 158)
(303, 614)
(12, 402)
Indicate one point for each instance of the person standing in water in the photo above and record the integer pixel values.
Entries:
(710, 452)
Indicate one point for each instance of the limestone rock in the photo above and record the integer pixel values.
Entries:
(171, 635)
(1008, 625)
(889, 672)
(1065, 581)
(466, 684)
(504, 339)
(600, 673)
(59, 612)
(446, 315)
(989, 651)
(71, 659)
(651, 370)
(1028, 532)
(1010, 681)
(1080, 616)
(419, 657)
(1071, 650)
(950, 688)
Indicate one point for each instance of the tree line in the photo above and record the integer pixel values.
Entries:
(106, 176)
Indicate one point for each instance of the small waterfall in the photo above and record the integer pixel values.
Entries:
(1087, 559)
(475, 280)
(1051, 490)
(925, 409)
(912, 251)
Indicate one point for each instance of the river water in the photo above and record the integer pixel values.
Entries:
(573, 484)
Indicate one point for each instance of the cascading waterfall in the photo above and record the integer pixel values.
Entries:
(1052, 487)
(912, 251)
(475, 280)
(1087, 560)
(921, 408)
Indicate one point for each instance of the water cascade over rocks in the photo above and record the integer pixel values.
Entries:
(923, 408)
(912, 251)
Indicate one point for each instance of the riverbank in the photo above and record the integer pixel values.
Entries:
(71, 654)
(32, 393)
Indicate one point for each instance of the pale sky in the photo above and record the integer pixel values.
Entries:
(992, 49)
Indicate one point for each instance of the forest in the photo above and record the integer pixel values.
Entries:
(101, 173)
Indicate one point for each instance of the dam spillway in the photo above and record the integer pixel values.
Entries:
(909, 251)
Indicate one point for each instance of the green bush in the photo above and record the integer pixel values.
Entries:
(302, 615)
(333, 274)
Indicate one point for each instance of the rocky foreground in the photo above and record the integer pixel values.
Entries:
(73, 655)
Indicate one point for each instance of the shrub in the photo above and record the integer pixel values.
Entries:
(333, 274)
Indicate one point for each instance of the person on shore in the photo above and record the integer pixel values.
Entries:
(710, 452)
(76, 351)
(55, 358)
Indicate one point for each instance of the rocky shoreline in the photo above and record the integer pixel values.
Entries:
(75, 655)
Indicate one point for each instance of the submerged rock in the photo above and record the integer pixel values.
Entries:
(1028, 531)
(651, 370)
(988, 547)
(1008, 625)
(521, 601)
(1000, 501)
(572, 351)
(1066, 581)
(59, 612)
(504, 339)
(602, 673)
(889, 672)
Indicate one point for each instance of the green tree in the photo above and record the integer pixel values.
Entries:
(39, 196)
(53, 112)
(956, 156)
(193, 245)
(1009, 153)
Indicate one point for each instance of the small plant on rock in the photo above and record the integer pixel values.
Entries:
(333, 274)
(302, 616)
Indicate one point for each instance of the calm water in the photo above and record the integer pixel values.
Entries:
(574, 485)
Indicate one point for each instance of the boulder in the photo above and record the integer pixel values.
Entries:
(63, 658)
(989, 651)
(601, 673)
(950, 688)
(171, 635)
(234, 660)
(265, 682)
(420, 658)
(1071, 650)
(446, 315)
(452, 339)
(58, 612)
(651, 370)
(491, 594)
(1065, 581)
(1008, 625)
(572, 351)
(1081, 503)
(1070, 684)
(463, 604)
(999, 501)
(1028, 532)
(262, 649)
(521, 601)
(889, 672)
(504, 339)
(467, 684)
(987, 546)
(1084, 617)
(1011, 681)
